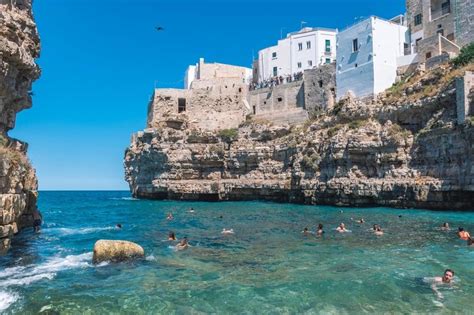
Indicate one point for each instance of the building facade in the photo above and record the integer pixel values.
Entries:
(440, 26)
(210, 72)
(367, 54)
(299, 51)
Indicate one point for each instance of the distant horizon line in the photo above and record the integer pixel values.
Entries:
(83, 190)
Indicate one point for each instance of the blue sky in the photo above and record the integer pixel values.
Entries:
(101, 58)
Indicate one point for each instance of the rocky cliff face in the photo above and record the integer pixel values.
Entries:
(19, 46)
(403, 150)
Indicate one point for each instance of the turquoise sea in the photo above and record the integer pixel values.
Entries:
(266, 267)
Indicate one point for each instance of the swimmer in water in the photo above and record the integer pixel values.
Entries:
(320, 230)
(374, 228)
(225, 231)
(445, 279)
(171, 236)
(305, 231)
(191, 210)
(183, 244)
(445, 226)
(341, 228)
(118, 226)
(170, 216)
(378, 230)
(464, 235)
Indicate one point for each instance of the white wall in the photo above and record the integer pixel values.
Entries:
(373, 68)
(355, 70)
(189, 76)
(288, 53)
(388, 44)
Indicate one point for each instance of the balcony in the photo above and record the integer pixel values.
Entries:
(440, 9)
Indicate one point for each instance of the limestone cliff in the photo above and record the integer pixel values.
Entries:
(19, 46)
(404, 149)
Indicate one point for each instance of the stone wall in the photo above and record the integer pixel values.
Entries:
(320, 88)
(464, 22)
(464, 96)
(277, 98)
(19, 46)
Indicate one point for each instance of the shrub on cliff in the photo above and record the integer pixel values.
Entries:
(228, 135)
(465, 57)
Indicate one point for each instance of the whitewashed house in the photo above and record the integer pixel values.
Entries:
(299, 51)
(368, 56)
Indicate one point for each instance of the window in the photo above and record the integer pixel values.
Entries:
(320, 82)
(299, 64)
(418, 19)
(181, 105)
(328, 45)
(428, 55)
(275, 71)
(280, 99)
(300, 46)
(417, 42)
(355, 45)
(310, 63)
(274, 55)
(446, 7)
(308, 45)
(328, 60)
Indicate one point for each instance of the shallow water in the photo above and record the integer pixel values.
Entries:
(266, 267)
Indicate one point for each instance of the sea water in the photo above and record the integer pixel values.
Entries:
(266, 267)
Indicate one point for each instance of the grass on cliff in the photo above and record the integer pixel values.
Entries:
(228, 135)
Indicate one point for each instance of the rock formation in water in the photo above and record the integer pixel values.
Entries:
(19, 46)
(404, 149)
(116, 251)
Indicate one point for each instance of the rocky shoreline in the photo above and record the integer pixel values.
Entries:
(19, 47)
(404, 149)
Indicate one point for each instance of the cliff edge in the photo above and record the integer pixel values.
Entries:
(19, 46)
(404, 149)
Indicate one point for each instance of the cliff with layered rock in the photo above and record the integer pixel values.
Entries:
(404, 149)
(19, 46)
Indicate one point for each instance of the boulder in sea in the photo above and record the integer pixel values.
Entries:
(116, 251)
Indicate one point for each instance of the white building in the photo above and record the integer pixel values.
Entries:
(214, 71)
(305, 49)
(367, 55)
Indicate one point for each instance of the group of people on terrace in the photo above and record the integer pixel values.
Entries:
(277, 80)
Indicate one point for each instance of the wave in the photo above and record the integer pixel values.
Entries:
(23, 275)
(7, 299)
(79, 231)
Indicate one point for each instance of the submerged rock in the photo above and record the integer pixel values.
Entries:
(116, 251)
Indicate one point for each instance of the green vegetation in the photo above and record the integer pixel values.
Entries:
(333, 130)
(398, 133)
(228, 135)
(356, 124)
(465, 57)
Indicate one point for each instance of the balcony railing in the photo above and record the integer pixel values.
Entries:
(436, 14)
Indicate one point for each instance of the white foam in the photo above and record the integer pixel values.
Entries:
(17, 276)
(7, 299)
(79, 231)
(150, 258)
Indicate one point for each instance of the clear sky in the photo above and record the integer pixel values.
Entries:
(101, 58)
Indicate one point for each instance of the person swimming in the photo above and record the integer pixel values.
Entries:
(225, 231)
(305, 232)
(171, 236)
(183, 244)
(118, 226)
(170, 216)
(320, 230)
(341, 228)
(464, 235)
(445, 226)
(191, 210)
(378, 230)
(447, 278)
